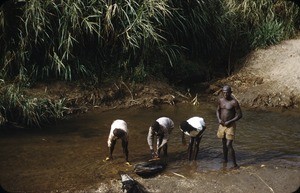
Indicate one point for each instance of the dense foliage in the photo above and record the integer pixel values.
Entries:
(133, 39)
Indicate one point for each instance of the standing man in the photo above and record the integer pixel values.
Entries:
(193, 127)
(228, 112)
(118, 130)
(161, 128)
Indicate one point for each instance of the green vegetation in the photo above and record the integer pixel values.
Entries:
(28, 111)
(97, 40)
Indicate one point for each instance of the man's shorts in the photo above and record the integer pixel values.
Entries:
(226, 131)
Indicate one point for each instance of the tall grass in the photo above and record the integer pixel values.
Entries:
(72, 39)
(267, 23)
(199, 26)
(219, 33)
(129, 39)
(17, 107)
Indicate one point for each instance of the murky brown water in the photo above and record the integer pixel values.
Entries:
(68, 155)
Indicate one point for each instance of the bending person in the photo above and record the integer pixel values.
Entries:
(161, 129)
(118, 130)
(193, 127)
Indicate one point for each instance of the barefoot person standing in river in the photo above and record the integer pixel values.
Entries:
(118, 130)
(228, 112)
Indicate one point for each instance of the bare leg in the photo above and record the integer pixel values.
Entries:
(232, 152)
(125, 148)
(196, 150)
(190, 148)
(111, 148)
(165, 148)
(225, 150)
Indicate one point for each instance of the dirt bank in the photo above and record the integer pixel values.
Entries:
(80, 97)
(255, 179)
(269, 77)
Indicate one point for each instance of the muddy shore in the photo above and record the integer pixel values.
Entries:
(267, 79)
(255, 179)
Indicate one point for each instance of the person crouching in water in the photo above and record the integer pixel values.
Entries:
(193, 127)
(161, 128)
(118, 130)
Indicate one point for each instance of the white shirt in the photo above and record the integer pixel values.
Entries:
(196, 122)
(166, 126)
(117, 124)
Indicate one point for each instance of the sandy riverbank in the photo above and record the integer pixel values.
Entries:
(254, 179)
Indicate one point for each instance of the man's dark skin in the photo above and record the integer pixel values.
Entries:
(120, 134)
(228, 112)
(191, 149)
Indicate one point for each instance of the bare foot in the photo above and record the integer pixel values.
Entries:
(107, 159)
(225, 161)
(235, 167)
(224, 164)
(128, 164)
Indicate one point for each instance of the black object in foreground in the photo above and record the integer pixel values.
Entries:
(150, 168)
(2, 190)
(129, 185)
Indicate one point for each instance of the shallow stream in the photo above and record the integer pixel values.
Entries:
(69, 155)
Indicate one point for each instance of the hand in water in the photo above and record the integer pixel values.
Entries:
(153, 153)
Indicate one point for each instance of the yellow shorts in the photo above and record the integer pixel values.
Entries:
(226, 131)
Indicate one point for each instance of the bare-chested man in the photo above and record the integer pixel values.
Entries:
(228, 112)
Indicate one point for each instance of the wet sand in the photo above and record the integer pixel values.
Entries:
(254, 179)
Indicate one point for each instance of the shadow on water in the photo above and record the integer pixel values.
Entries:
(2, 190)
(70, 154)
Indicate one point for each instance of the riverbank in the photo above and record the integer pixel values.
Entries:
(255, 179)
(269, 78)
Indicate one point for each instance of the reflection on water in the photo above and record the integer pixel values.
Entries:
(73, 150)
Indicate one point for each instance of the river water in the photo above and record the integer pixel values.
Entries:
(69, 155)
